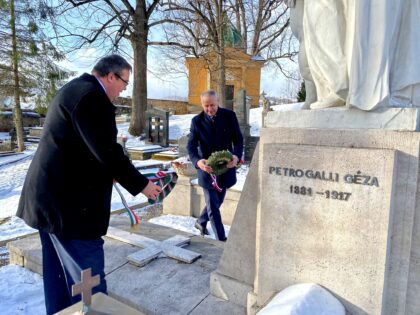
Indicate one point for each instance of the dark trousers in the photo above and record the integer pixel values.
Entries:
(62, 262)
(211, 212)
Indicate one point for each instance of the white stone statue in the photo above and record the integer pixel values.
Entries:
(296, 24)
(363, 53)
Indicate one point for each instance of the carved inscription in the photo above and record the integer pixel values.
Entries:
(356, 178)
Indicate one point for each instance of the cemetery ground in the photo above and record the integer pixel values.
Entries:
(22, 289)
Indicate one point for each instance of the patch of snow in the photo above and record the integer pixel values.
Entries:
(14, 228)
(4, 136)
(11, 182)
(185, 224)
(288, 107)
(303, 299)
(255, 116)
(116, 203)
(21, 291)
(179, 125)
(241, 174)
(5, 160)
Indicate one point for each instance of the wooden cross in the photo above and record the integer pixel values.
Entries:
(85, 286)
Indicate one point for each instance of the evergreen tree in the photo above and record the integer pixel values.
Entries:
(27, 59)
(301, 96)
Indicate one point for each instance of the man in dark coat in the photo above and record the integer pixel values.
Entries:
(214, 129)
(67, 191)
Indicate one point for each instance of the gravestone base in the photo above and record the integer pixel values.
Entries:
(102, 304)
(398, 119)
(358, 237)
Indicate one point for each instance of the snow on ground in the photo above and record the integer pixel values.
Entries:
(179, 125)
(4, 136)
(185, 224)
(21, 291)
(303, 299)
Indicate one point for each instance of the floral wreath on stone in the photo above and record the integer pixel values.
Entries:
(218, 161)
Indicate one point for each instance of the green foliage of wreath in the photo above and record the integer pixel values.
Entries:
(218, 161)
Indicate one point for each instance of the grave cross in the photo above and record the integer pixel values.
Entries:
(85, 288)
(152, 248)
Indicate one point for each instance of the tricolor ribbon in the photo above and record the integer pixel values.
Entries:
(166, 181)
(214, 182)
(133, 218)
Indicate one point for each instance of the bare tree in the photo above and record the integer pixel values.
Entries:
(117, 26)
(199, 26)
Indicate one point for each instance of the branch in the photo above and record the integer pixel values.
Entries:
(152, 7)
(174, 44)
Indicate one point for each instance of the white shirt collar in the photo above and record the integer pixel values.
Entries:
(101, 84)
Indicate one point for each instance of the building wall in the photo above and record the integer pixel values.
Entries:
(241, 71)
(177, 107)
(197, 80)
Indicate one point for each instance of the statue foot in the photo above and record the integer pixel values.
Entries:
(306, 105)
(330, 101)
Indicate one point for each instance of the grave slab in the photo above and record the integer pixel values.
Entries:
(164, 286)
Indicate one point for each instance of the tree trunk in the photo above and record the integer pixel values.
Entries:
(139, 102)
(17, 117)
(221, 56)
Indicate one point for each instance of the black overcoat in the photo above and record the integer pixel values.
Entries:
(68, 188)
(208, 136)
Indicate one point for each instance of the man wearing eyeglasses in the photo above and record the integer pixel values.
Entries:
(67, 191)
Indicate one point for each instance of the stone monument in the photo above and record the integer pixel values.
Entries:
(333, 195)
(157, 127)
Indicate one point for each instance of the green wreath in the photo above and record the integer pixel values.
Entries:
(218, 161)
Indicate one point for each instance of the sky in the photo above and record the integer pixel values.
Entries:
(162, 86)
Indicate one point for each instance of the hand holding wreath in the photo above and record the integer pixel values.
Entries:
(219, 162)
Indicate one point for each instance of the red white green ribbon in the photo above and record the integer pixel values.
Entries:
(214, 182)
(133, 218)
(166, 180)
(214, 177)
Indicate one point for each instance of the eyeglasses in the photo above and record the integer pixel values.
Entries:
(119, 77)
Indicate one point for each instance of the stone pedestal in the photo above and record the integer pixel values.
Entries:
(187, 199)
(179, 200)
(338, 207)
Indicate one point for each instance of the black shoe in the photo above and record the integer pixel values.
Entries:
(202, 229)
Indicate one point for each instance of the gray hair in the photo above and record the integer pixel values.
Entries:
(112, 63)
(209, 93)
